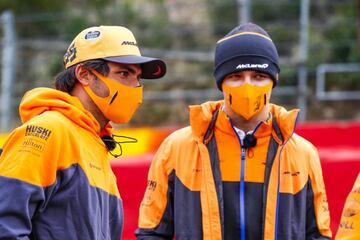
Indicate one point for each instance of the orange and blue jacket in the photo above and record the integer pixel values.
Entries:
(202, 184)
(55, 177)
(349, 228)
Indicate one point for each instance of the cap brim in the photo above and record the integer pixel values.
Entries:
(152, 68)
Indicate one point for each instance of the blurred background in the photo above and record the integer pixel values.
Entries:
(318, 43)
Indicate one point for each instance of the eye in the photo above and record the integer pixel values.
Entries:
(235, 76)
(123, 73)
(261, 76)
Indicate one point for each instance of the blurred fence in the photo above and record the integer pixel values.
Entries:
(184, 36)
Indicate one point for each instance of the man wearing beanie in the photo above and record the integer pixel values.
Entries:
(55, 176)
(239, 171)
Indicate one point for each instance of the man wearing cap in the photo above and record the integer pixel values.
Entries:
(55, 177)
(238, 171)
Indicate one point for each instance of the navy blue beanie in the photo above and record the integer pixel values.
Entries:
(245, 51)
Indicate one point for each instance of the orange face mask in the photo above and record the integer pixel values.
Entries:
(122, 101)
(247, 100)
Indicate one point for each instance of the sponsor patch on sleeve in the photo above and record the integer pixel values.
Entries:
(35, 139)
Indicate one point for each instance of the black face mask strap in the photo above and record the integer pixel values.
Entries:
(111, 143)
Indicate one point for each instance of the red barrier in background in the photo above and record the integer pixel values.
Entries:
(339, 149)
(131, 179)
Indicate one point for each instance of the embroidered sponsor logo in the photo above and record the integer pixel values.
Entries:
(356, 190)
(352, 208)
(147, 200)
(131, 43)
(94, 166)
(257, 103)
(294, 174)
(347, 225)
(92, 35)
(70, 54)
(33, 144)
(252, 65)
(325, 205)
(36, 131)
(148, 196)
(151, 185)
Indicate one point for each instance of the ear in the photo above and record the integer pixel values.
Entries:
(83, 74)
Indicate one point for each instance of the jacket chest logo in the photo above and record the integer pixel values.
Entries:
(292, 173)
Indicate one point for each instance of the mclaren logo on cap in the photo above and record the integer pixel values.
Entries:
(92, 35)
(250, 65)
(131, 43)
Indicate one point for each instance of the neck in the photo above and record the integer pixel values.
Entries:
(244, 124)
(79, 92)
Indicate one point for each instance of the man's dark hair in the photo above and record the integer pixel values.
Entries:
(248, 27)
(65, 80)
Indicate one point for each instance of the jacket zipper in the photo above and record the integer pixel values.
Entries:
(242, 187)
(242, 182)
(242, 192)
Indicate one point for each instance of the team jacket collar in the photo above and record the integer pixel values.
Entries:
(200, 118)
(39, 100)
(286, 120)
